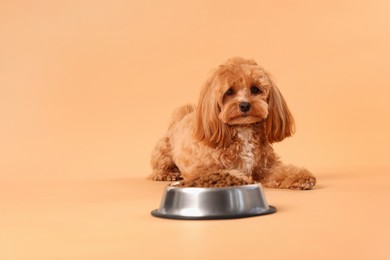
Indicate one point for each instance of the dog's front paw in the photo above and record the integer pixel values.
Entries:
(217, 180)
(303, 182)
(290, 177)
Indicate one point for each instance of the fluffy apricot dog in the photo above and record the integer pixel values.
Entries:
(226, 140)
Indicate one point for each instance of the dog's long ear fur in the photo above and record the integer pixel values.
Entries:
(209, 129)
(280, 122)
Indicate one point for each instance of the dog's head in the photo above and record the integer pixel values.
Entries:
(240, 92)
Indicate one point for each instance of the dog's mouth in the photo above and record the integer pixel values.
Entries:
(245, 115)
(241, 115)
(244, 118)
(232, 115)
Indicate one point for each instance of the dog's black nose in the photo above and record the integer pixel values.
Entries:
(245, 106)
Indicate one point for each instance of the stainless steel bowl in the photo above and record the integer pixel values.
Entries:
(213, 203)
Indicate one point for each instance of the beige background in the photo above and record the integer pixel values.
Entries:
(87, 87)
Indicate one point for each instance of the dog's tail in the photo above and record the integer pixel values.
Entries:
(180, 113)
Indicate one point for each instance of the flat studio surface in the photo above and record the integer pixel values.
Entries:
(345, 217)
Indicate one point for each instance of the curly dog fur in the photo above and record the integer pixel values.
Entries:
(226, 140)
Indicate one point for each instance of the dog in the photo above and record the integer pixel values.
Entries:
(226, 140)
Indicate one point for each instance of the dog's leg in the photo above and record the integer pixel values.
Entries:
(164, 169)
(288, 177)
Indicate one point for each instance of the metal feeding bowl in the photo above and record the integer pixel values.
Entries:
(213, 203)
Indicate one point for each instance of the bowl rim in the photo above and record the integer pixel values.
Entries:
(254, 185)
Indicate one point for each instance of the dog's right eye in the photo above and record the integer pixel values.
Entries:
(229, 92)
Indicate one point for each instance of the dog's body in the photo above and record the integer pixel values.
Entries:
(226, 139)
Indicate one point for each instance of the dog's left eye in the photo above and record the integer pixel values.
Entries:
(255, 90)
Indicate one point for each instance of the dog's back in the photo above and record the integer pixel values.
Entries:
(180, 113)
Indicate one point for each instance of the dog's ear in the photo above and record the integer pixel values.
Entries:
(208, 127)
(280, 122)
